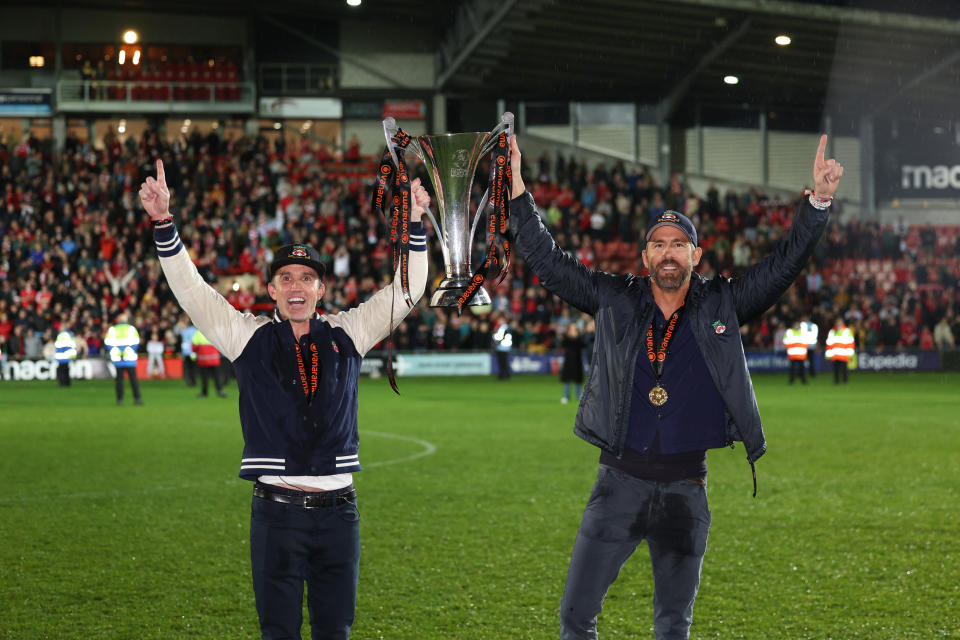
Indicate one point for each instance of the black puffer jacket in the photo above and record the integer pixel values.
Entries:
(623, 308)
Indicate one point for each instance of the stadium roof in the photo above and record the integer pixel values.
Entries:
(841, 60)
(847, 58)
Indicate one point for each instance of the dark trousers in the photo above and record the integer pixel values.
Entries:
(797, 369)
(813, 364)
(134, 383)
(503, 365)
(189, 370)
(290, 545)
(63, 373)
(205, 374)
(839, 370)
(623, 511)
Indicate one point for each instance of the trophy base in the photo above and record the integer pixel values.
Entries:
(449, 292)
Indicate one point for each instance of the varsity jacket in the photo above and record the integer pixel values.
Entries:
(623, 307)
(283, 432)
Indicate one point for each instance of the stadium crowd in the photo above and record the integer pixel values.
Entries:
(76, 248)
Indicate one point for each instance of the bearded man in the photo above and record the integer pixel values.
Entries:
(668, 381)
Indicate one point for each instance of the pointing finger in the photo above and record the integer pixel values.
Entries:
(821, 148)
(161, 176)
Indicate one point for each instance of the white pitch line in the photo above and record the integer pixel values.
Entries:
(428, 448)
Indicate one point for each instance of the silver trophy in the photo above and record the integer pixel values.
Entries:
(451, 160)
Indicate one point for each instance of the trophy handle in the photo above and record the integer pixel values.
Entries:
(506, 125)
(478, 215)
(389, 130)
(509, 121)
(436, 227)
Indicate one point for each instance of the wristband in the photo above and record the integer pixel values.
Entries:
(820, 202)
(157, 224)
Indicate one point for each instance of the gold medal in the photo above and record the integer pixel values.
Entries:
(658, 396)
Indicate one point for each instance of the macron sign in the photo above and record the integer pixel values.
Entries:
(923, 177)
(917, 161)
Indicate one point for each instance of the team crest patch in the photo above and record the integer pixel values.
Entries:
(335, 346)
(719, 327)
(299, 252)
(668, 215)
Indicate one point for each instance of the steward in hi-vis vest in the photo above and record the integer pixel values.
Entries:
(796, 343)
(66, 350)
(208, 363)
(841, 346)
(123, 342)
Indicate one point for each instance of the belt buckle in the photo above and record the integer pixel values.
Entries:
(313, 501)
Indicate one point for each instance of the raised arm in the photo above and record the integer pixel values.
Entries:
(558, 272)
(371, 321)
(760, 286)
(226, 328)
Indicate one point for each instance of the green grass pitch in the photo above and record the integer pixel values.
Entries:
(130, 522)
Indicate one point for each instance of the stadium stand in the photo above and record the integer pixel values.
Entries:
(76, 247)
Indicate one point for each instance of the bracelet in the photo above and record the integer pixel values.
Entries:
(820, 202)
(162, 223)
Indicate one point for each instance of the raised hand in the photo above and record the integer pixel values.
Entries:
(826, 173)
(421, 200)
(155, 196)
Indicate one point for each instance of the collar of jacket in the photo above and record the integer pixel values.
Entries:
(277, 319)
(287, 340)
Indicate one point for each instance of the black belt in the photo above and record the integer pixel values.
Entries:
(305, 499)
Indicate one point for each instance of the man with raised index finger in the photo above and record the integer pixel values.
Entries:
(297, 374)
(668, 381)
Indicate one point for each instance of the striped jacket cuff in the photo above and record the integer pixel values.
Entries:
(263, 464)
(348, 463)
(418, 236)
(168, 241)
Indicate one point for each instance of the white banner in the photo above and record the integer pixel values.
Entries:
(443, 364)
(320, 108)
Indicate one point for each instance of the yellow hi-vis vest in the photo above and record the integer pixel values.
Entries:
(796, 344)
(840, 344)
(66, 347)
(123, 341)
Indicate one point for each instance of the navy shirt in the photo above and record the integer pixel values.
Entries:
(693, 418)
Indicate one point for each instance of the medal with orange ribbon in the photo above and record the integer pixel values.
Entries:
(658, 395)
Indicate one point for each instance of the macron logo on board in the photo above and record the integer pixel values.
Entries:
(926, 177)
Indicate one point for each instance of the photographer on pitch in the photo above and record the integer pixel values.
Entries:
(297, 374)
(668, 381)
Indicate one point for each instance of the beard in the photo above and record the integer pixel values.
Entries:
(670, 281)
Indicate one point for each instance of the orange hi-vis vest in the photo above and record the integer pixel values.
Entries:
(840, 344)
(796, 343)
(205, 353)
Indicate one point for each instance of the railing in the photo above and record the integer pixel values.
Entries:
(289, 78)
(154, 95)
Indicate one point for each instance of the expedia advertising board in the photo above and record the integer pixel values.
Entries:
(917, 161)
